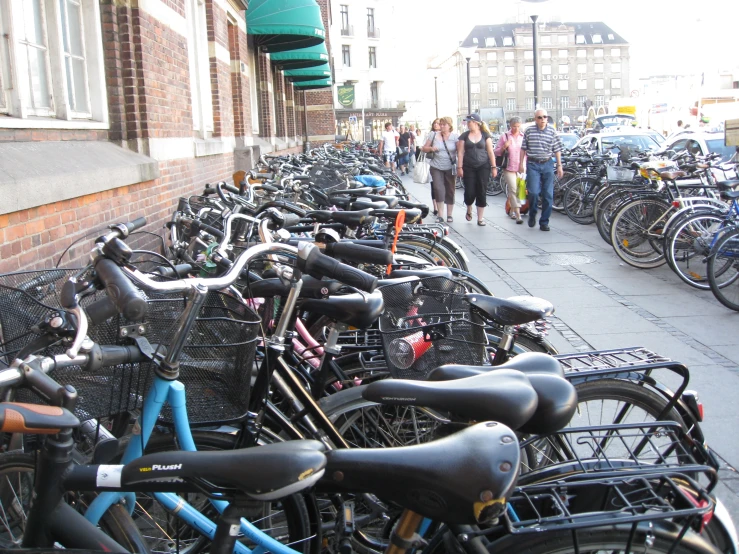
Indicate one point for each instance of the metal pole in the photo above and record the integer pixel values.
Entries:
(469, 88)
(436, 98)
(536, 60)
(306, 144)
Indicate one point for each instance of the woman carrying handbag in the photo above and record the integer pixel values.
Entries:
(443, 166)
(509, 147)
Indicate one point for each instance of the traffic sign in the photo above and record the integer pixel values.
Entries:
(352, 119)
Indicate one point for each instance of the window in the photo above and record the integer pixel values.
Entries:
(615, 52)
(492, 71)
(546, 85)
(581, 101)
(56, 56)
(475, 72)
(507, 41)
(492, 87)
(579, 39)
(344, 18)
(200, 87)
(373, 56)
(599, 84)
(475, 88)
(371, 22)
(546, 102)
(598, 67)
(490, 43)
(611, 37)
(546, 39)
(582, 53)
(565, 102)
(475, 105)
(510, 104)
(510, 86)
(546, 54)
(562, 54)
(600, 100)
(616, 84)
(346, 55)
(509, 55)
(528, 86)
(375, 93)
(564, 69)
(615, 68)
(597, 39)
(564, 84)
(582, 68)
(528, 54)
(530, 103)
(582, 84)
(562, 39)
(492, 102)
(546, 69)
(528, 40)
(492, 56)
(509, 70)
(528, 70)
(598, 52)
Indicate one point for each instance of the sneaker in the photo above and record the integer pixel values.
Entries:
(519, 221)
(532, 221)
(544, 227)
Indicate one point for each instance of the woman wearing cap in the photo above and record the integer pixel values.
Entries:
(442, 144)
(475, 160)
(511, 142)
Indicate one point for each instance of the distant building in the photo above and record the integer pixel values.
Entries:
(578, 63)
(364, 62)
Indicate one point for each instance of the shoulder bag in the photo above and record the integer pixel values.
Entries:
(502, 160)
(430, 155)
(453, 160)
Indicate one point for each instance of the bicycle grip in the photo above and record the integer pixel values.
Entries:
(230, 188)
(358, 253)
(16, 417)
(135, 225)
(209, 190)
(126, 297)
(315, 264)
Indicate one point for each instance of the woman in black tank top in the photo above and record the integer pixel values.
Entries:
(475, 159)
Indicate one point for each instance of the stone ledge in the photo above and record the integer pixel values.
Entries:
(37, 173)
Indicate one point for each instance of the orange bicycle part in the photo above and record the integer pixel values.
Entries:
(399, 221)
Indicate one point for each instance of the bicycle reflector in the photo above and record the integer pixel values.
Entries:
(406, 350)
(676, 203)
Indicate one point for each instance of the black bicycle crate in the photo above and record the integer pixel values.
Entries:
(215, 366)
(427, 323)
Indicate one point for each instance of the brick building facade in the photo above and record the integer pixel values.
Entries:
(146, 102)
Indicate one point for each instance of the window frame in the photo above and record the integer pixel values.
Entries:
(510, 86)
(371, 20)
(510, 71)
(564, 100)
(14, 74)
(474, 88)
(346, 55)
(510, 104)
(546, 102)
(344, 15)
(611, 83)
(199, 64)
(492, 88)
(582, 84)
(372, 50)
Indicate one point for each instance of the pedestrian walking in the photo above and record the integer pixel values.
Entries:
(404, 148)
(435, 128)
(475, 160)
(389, 145)
(412, 147)
(509, 147)
(540, 143)
(442, 144)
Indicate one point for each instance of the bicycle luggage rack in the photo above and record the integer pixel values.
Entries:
(600, 359)
(640, 472)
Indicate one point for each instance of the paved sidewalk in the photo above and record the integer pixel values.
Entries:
(603, 303)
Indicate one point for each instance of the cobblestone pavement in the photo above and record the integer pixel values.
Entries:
(603, 303)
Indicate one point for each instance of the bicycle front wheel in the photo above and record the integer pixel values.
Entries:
(579, 201)
(723, 270)
(636, 233)
(688, 247)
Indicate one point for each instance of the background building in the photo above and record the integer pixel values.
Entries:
(578, 63)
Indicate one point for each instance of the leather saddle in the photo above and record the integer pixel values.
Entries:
(515, 310)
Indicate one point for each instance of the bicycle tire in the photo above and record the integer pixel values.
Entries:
(725, 286)
(495, 185)
(440, 253)
(688, 245)
(299, 527)
(578, 200)
(630, 237)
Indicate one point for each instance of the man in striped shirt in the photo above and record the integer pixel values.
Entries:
(540, 143)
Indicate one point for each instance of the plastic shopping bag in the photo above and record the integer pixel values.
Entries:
(521, 188)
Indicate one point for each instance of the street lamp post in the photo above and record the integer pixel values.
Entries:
(436, 97)
(535, 46)
(469, 88)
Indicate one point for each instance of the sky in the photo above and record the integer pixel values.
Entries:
(665, 37)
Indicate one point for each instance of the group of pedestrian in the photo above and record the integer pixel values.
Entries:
(472, 157)
(398, 147)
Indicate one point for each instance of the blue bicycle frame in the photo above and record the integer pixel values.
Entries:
(173, 392)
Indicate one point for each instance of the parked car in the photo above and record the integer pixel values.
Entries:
(569, 140)
(612, 120)
(699, 144)
(604, 142)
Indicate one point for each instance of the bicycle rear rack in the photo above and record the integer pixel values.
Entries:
(601, 359)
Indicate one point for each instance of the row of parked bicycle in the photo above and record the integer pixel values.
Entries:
(654, 211)
(303, 366)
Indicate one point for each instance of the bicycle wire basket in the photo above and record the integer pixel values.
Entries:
(426, 324)
(623, 174)
(215, 365)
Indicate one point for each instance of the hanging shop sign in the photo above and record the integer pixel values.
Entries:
(346, 95)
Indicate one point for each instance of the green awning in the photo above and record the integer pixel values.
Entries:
(310, 74)
(310, 85)
(302, 58)
(280, 25)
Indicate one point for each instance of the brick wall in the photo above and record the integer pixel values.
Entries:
(264, 77)
(321, 122)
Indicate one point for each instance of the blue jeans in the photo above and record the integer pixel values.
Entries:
(540, 180)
